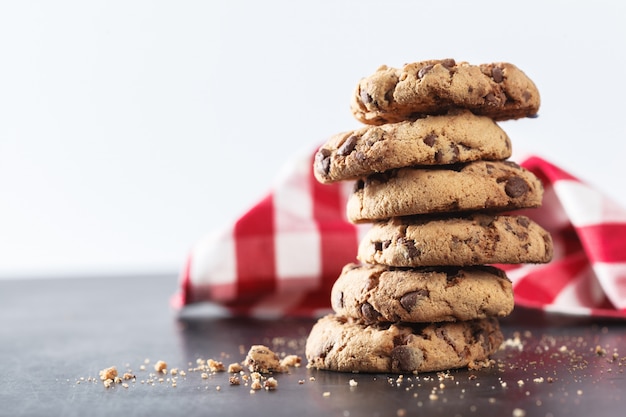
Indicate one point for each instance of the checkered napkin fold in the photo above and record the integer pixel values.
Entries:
(283, 255)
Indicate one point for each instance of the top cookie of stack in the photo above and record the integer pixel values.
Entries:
(499, 90)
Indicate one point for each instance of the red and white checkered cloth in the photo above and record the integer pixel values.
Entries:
(282, 257)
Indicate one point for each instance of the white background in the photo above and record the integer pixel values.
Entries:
(129, 129)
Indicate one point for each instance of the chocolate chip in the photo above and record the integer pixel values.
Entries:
(453, 275)
(485, 221)
(369, 313)
(322, 161)
(411, 299)
(401, 339)
(406, 359)
(497, 75)
(523, 221)
(378, 246)
(360, 156)
(430, 139)
(491, 99)
(423, 71)
(516, 187)
(409, 245)
(359, 185)
(526, 95)
(448, 63)
(386, 244)
(348, 146)
(511, 164)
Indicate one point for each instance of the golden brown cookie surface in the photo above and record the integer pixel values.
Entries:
(479, 185)
(433, 140)
(474, 239)
(498, 90)
(377, 293)
(340, 344)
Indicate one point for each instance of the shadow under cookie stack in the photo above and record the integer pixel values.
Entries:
(433, 178)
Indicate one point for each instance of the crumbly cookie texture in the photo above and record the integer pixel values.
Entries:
(262, 359)
(433, 140)
(378, 293)
(479, 185)
(341, 344)
(474, 239)
(499, 90)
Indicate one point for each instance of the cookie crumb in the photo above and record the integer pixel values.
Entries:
(108, 373)
(326, 394)
(291, 360)
(515, 343)
(270, 384)
(261, 359)
(215, 366)
(234, 368)
(353, 383)
(160, 366)
(518, 412)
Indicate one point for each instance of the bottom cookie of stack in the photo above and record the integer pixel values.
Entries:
(343, 344)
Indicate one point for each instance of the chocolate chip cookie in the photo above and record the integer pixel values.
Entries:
(474, 239)
(499, 90)
(342, 344)
(433, 140)
(478, 185)
(379, 293)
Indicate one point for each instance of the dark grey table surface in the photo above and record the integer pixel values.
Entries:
(56, 334)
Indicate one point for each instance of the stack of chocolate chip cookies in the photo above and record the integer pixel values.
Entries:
(433, 178)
